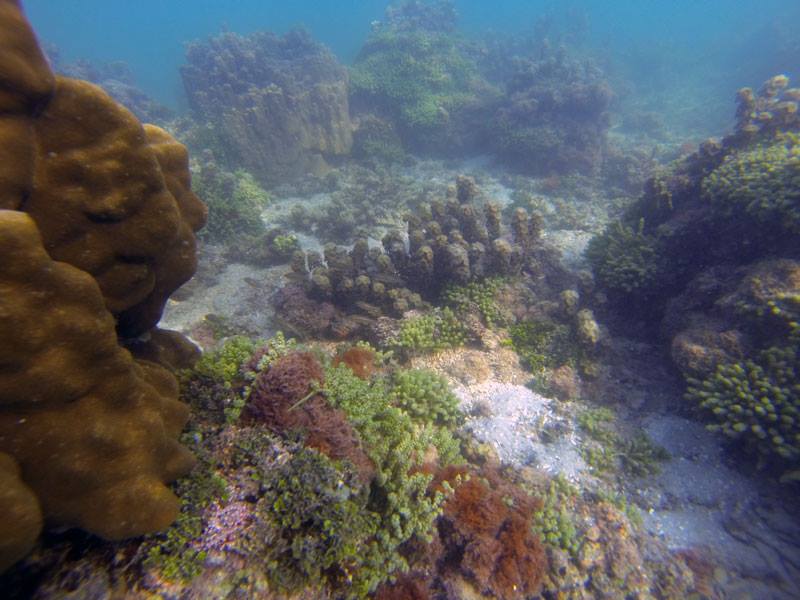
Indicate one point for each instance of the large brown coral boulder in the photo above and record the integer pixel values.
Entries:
(117, 218)
(22, 517)
(94, 432)
(26, 83)
(108, 196)
(97, 223)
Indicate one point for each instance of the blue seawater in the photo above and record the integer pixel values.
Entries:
(708, 47)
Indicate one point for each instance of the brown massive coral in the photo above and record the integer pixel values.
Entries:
(97, 224)
(125, 214)
(93, 431)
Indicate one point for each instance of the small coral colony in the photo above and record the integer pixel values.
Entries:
(332, 460)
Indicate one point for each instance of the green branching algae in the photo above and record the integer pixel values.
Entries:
(554, 523)
(543, 345)
(757, 401)
(478, 297)
(426, 397)
(432, 332)
(626, 261)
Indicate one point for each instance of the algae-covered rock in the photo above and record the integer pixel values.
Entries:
(277, 105)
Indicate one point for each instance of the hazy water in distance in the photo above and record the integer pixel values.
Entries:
(662, 46)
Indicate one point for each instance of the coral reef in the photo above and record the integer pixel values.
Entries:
(413, 68)
(277, 106)
(772, 109)
(761, 184)
(740, 356)
(709, 253)
(99, 265)
(731, 201)
(553, 118)
(449, 245)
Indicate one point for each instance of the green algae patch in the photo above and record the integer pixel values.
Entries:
(761, 183)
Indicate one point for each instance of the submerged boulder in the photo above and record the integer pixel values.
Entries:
(276, 105)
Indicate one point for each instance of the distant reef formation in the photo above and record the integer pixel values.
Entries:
(535, 106)
(276, 106)
(711, 253)
(97, 229)
(553, 118)
(416, 72)
(283, 106)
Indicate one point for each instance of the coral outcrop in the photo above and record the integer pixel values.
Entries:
(97, 222)
(710, 252)
(554, 116)
(451, 242)
(734, 200)
(277, 106)
(94, 432)
(415, 70)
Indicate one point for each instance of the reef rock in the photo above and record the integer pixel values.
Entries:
(278, 106)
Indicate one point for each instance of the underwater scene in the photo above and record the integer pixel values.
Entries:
(403, 300)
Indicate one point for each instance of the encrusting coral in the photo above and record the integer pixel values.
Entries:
(97, 222)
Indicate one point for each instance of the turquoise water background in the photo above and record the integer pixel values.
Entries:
(727, 42)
